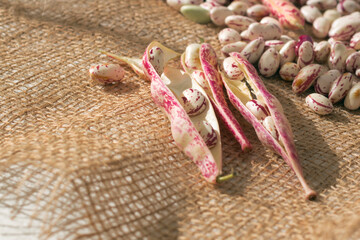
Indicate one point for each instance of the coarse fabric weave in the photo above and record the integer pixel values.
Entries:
(99, 162)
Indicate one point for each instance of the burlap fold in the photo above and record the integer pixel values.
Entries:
(99, 162)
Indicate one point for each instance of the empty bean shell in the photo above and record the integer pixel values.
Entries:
(233, 47)
(228, 35)
(208, 133)
(232, 69)
(254, 50)
(319, 103)
(289, 71)
(340, 87)
(106, 73)
(287, 52)
(269, 62)
(306, 54)
(239, 23)
(322, 51)
(270, 126)
(321, 27)
(310, 13)
(258, 109)
(353, 62)
(332, 15)
(258, 11)
(238, 8)
(325, 81)
(193, 101)
(352, 99)
(355, 41)
(268, 31)
(307, 77)
(218, 15)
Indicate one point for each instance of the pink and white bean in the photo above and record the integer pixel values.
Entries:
(340, 87)
(232, 69)
(285, 38)
(325, 81)
(289, 71)
(352, 99)
(238, 8)
(306, 54)
(269, 62)
(258, 11)
(322, 4)
(347, 6)
(321, 27)
(228, 35)
(157, 59)
(337, 57)
(268, 31)
(277, 44)
(355, 41)
(331, 14)
(319, 104)
(310, 13)
(233, 47)
(287, 52)
(207, 133)
(253, 51)
(270, 126)
(193, 101)
(274, 21)
(322, 51)
(258, 109)
(218, 15)
(307, 76)
(177, 4)
(106, 73)
(353, 62)
(239, 23)
(345, 27)
(209, 5)
(245, 35)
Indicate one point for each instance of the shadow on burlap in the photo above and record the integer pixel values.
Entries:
(100, 163)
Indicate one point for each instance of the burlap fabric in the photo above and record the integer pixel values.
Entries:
(99, 162)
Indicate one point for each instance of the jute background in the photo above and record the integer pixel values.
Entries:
(100, 163)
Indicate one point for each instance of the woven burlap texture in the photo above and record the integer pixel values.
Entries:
(99, 162)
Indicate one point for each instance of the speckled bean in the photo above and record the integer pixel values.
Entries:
(258, 109)
(245, 35)
(239, 23)
(306, 54)
(228, 35)
(347, 6)
(218, 15)
(319, 104)
(238, 8)
(322, 4)
(193, 101)
(209, 5)
(233, 47)
(289, 71)
(277, 44)
(322, 51)
(353, 62)
(270, 126)
(272, 20)
(254, 50)
(269, 62)
(192, 60)
(285, 38)
(355, 41)
(352, 99)
(232, 69)
(208, 133)
(257, 11)
(268, 31)
(177, 4)
(325, 81)
(106, 73)
(321, 27)
(307, 76)
(337, 57)
(340, 87)
(287, 52)
(310, 13)
(331, 14)
(344, 27)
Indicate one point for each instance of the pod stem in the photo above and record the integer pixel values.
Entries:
(220, 179)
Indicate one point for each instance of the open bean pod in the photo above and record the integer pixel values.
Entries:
(261, 109)
(194, 125)
(201, 63)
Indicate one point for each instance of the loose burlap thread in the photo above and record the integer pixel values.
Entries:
(99, 162)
